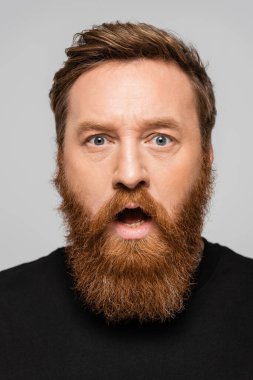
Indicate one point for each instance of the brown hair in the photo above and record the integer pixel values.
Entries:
(128, 41)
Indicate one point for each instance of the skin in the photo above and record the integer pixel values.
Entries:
(129, 105)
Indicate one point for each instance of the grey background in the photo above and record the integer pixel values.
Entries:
(33, 37)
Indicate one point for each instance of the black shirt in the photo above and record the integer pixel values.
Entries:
(47, 333)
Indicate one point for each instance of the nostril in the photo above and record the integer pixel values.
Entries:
(130, 177)
(124, 186)
(142, 183)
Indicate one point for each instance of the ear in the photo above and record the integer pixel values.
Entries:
(211, 153)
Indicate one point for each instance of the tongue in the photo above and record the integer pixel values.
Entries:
(130, 220)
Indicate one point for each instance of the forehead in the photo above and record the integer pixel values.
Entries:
(139, 90)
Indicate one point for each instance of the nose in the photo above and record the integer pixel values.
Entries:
(130, 168)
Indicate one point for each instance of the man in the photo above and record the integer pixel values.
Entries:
(137, 293)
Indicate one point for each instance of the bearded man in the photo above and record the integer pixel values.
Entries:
(137, 293)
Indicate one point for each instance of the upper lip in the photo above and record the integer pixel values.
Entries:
(131, 205)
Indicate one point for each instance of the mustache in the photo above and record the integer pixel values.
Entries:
(119, 201)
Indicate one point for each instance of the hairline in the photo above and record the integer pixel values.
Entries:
(128, 60)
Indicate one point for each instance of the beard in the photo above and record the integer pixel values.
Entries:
(147, 279)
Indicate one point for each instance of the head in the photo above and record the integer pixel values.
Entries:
(134, 111)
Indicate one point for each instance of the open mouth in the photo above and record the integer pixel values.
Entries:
(132, 222)
(132, 217)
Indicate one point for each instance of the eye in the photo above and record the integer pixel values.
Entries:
(97, 140)
(162, 140)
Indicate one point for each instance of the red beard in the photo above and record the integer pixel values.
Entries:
(148, 279)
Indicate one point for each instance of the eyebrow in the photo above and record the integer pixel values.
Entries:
(92, 126)
(167, 123)
(164, 123)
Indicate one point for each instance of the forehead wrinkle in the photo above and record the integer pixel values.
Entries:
(167, 123)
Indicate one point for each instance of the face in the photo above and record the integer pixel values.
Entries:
(132, 149)
(132, 123)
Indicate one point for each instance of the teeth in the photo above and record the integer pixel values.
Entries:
(134, 224)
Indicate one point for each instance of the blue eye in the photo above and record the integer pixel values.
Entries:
(162, 140)
(98, 140)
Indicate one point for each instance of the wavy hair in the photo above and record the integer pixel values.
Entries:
(124, 42)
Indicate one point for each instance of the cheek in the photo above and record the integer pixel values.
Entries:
(87, 182)
(174, 181)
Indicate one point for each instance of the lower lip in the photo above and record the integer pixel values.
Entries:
(137, 231)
